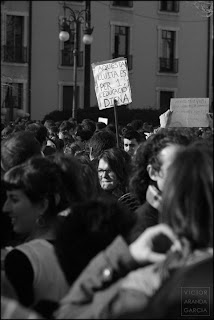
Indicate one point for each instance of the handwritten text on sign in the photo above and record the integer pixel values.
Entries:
(111, 82)
(189, 112)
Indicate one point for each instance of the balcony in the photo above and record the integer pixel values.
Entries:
(68, 58)
(15, 54)
(168, 65)
(128, 57)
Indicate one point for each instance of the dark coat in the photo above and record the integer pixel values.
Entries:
(113, 286)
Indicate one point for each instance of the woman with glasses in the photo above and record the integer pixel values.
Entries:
(113, 172)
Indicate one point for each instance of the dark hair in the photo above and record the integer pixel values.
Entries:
(119, 161)
(111, 127)
(89, 124)
(132, 134)
(65, 126)
(39, 130)
(49, 123)
(101, 141)
(52, 130)
(100, 126)
(84, 134)
(39, 178)
(137, 124)
(90, 178)
(72, 176)
(72, 148)
(187, 198)
(89, 228)
(48, 150)
(148, 153)
(17, 148)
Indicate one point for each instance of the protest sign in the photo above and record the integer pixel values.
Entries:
(104, 120)
(189, 112)
(112, 83)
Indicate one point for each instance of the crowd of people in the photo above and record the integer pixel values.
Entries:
(95, 226)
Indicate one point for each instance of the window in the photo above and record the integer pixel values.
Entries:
(169, 6)
(128, 4)
(67, 51)
(14, 51)
(14, 95)
(68, 99)
(121, 43)
(168, 63)
(165, 97)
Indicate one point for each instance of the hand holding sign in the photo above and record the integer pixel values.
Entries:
(165, 119)
(210, 119)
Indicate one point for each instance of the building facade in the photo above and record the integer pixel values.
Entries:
(168, 46)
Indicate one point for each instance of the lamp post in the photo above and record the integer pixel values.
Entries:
(76, 18)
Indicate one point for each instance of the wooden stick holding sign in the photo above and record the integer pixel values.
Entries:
(116, 122)
(112, 86)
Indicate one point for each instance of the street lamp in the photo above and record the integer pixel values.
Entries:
(75, 18)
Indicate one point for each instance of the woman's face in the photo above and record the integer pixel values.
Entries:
(22, 211)
(108, 179)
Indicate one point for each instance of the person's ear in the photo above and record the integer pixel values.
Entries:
(153, 174)
(43, 205)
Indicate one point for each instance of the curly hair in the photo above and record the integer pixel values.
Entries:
(148, 153)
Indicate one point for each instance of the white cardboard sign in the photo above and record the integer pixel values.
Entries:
(112, 82)
(189, 112)
(104, 120)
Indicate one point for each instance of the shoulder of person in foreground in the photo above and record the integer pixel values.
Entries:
(106, 270)
(103, 270)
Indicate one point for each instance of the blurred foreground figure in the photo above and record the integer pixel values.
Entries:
(122, 280)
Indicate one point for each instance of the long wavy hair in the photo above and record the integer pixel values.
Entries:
(188, 195)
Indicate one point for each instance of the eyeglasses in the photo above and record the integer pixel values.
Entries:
(102, 172)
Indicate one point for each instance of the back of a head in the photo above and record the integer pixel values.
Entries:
(18, 148)
(89, 124)
(39, 130)
(137, 124)
(100, 126)
(89, 228)
(101, 141)
(187, 198)
(84, 133)
(49, 123)
(111, 127)
(72, 176)
(89, 178)
(72, 148)
(6, 131)
(65, 126)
